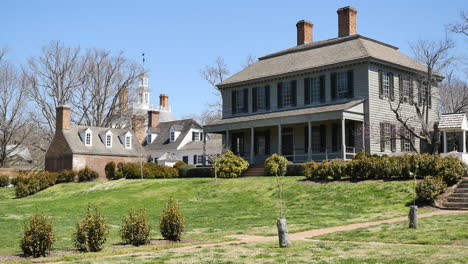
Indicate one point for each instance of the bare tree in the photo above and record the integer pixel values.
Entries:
(13, 117)
(460, 27)
(453, 95)
(435, 57)
(249, 61)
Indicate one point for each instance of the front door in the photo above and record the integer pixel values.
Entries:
(287, 141)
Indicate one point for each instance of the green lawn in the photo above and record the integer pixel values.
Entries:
(301, 252)
(441, 229)
(237, 206)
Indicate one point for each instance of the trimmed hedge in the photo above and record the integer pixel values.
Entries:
(4, 180)
(200, 172)
(133, 171)
(179, 164)
(66, 176)
(87, 174)
(295, 169)
(34, 182)
(184, 169)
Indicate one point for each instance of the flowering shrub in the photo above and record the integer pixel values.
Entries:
(276, 165)
(231, 165)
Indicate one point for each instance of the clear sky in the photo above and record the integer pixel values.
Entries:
(181, 37)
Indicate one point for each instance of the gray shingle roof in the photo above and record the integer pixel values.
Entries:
(213, 146)
(294, 112)
(320, 54)
(77, 146)
(451, 121)
(162, 141)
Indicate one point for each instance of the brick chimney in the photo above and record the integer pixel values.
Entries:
(346, 21)
(138, 126)
(164, 101)
(123, 100)
(304, 32)
(62, 117)
(153, 118)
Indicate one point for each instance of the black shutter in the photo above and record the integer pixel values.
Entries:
(194, 159)
(393, 140)
(381, 93)
(267, 142)
(323, 138)
(267, 97)
(335, 137)
(280, 95)
(402, 138)
(392, 87)
(429, 97)
(333, 85)
(246, 100)
(411, 91)
(294, 93)
(322, 88)
(420, 99)
(350, 84)
(306, 91)
(306, 139)
(233, 102)
(254, 99)
(193, 136)
(382, 137)
(400, 87)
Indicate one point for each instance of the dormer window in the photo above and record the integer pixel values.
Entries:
(88, 139)
(128, 141)
(172, 136)
(148, 139)
(108, 138)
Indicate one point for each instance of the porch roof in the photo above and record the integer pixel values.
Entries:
(350, 109)
(453, 122)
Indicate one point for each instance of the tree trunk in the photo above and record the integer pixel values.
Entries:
(283, 233)
(413, 216)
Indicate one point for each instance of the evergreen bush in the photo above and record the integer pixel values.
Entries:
(451, 169)
(276, 165)
(428, 189)
(66, 176)
(184, 170)
(231, 165)
(91, 232)
(110, 170)
(38, 236)
(4, 180)
(200, 172)
(179, 164)
(136, 229)
(87, 174)
(172, 223)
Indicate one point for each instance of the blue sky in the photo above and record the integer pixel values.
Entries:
(181, 37)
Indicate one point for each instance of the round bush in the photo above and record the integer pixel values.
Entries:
(155, 171)
(276, 165)
(172, 223)
(184, 169)
(87, 174)
(66, 176)
(179, 164)
(428, 189)
(329, 170)
(4, 180)
(451, 170)
(37, 236)
(309, 169)
(136, 229)
(231, 165)
(130, 170)
(110, 170)
(91, 232)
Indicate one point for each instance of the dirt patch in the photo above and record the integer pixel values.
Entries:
(216, 182)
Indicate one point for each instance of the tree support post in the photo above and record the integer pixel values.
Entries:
(413, 216)
(283, 233)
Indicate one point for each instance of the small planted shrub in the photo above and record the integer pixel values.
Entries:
(66, 176)
(179, 164)
(4, 180)
(29, 184)
(276, 165)
(38, 236)
(130, 170)
(309, 169)
(172, 223)
(87, 174)
(428, 189)
(136, 229)
(201, 172)
(110, 170)
(184, 169)
(451, 170)
(295, 169)
(329, 170)
(91, 232)
(231, 165)
(155, 171)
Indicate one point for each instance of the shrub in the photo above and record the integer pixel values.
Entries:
(451, 170)
(309, 169)
(276, 165)
(38, 236)
(66, 176)
(153, 171)
(329, 170)
(87, 174)
(428, 189)
(231, 165)
(295, 169)
(184, 169)
(200, 172)
(130, 170)
(179, 164)
(14, 180)
(362, 167)
(91, 232)
(135, 229)
(4, 180)
(34, 182)
(110, 170)
(171, 224)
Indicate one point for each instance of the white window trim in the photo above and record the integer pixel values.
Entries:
(89, 133)
(128, 141)
(172, 136)
(149, 138)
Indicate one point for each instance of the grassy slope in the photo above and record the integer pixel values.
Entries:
(246, 205)
(442, 229)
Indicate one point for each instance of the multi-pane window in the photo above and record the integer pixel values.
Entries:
(88, 139)
(388, 136)
(196, 136)
(108, 141)
(406, 139)
(316, 139)
(128, 142)
(199, 159)
(386, 84)
(287, 94)
(148, 139)
(239, 101)
(407, 84)
(261, 98)
(342, 84)
(172, 136)
(315, 89)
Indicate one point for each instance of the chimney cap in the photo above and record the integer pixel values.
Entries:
(63, 106)
(347, 8)
(304, 21)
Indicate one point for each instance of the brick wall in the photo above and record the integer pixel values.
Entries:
(98, 163)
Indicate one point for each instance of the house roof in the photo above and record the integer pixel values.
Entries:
(162, 141)
(320, 54)
(77, 146)
(213, 146)
(20, 151)
(294, 112)
(168, 156)
(453, 121)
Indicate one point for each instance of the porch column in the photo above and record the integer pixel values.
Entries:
(363, 137)
(228, 141)
(280, 143)
(252, 144)
(204, 148)
(309, 147)
(464, 141)
(343, 138)
(445, 142)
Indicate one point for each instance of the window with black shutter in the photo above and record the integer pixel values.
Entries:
(233, 102)
(194, 159)
(393, 138)
(350, 76)
(245, 102)
(287, 94)
(254, 99)
(322, 88)
(267, 97)
(333, 86)
(279, 94)
(185, 159)
(392, 87)
(306, 91)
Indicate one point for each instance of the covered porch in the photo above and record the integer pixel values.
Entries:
(454, 142)
(317, 133)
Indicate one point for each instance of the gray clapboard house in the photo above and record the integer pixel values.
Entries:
(323, 99)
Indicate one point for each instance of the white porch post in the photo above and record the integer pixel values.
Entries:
(445, 142)
(204, 148)
(363, 137)
(309, 147)
(279, 140)
(343, 138)
(464, 141)
(252, 145)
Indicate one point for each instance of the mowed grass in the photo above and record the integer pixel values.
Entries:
(441, 229)
(300, 252)
(237, 206)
